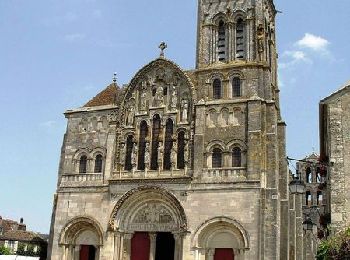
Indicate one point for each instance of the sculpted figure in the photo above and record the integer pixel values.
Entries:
(134, 155)
(147, 155)
(131, 114)
(184, 110)
(260, 38)
(158, 98)
(143, 103)
(173, 103)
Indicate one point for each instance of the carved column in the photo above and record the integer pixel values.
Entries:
(127, 246)
(210, 254)
(178, 246)
(153, 243)
(117, 246)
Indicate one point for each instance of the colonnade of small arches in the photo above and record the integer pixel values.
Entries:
(156, 146)
(222, 87)
(89, 162)
(219, 155)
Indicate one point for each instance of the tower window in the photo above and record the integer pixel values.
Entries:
(217, 89)
(222, 41)
(236, 157)
(217, 158)
(98, 163)
(155, 142)
(308, 175)
(308, 198)
(142, 145)
(236, 87)
(240, 39)
(181, 150)
(83, 164)
(319, 198)
(128, 153)
(168, 144)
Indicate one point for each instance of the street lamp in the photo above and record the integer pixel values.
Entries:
(297, 186)
(308, 224)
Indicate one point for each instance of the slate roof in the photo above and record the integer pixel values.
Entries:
(108, 96)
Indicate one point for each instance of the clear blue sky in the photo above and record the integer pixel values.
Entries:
(57, 54)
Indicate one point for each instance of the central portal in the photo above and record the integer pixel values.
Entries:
(165, 246)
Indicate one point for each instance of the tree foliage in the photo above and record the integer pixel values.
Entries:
(4, 250)
(336, 247)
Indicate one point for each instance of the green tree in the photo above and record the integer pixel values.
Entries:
(336, 247)
(4, 250)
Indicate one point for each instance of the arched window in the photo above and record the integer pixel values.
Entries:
(169, 128)
(217, 158)
(240, 39)
(128, 153)
(83, 164)
(181, 150)
(318, 175)
(236, 87)
(98, 163)
(217, 89)
(308, 175)
(155, 142)
(222, 41)
(308, 198)
(142, 145)
(236, 157)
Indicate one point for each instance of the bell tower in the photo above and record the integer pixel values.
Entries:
(236, 31)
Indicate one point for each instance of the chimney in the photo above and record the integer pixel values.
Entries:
(22, 226)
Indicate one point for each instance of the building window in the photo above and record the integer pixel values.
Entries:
(236, 157)
(217, 89)
(222, 41)
(142, 145)
(217, 158)
(168, 144)
(236, 87)
(83, 164)
(11, 245)
(181, 150)
(240, 39)
(98, 163)
(318, 175)
(128, 153)
(308, 175)
(308, 198)
(319, 198)
(155, 141)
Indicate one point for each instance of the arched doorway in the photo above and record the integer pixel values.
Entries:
(221, 238)
(81, 239)
(152, 219)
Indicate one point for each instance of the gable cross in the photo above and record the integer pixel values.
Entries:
(162, 47)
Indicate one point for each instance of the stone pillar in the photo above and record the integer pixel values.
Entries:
(127, 246)
(210, 254)
(153, 244)
(178, 246)
(117, 246)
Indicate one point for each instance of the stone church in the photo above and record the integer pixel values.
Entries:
(183, 165)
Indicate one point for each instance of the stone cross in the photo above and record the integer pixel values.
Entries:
(162, 47)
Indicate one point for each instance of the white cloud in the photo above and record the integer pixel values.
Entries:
(293, 58)
(74, 37)
(313, 42)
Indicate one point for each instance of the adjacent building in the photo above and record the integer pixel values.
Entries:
(183, 164)
(335, 153)
(14, 236)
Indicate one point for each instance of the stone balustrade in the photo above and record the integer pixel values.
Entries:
(150, 174)
(87, 179)
(224, 174)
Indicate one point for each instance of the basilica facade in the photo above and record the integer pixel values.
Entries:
(183, 165)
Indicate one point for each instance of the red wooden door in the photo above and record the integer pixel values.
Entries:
(224, 254)
(140, 246)
(84, 252)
